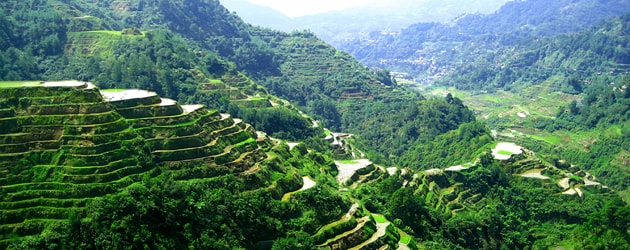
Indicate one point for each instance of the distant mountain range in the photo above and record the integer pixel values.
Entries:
(420, 48)
(340, 25)
(258, 14)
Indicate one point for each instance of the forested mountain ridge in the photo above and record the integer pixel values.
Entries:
(523, 52)
(328, 81)
(365, 17)
(199, 178)
(434, 49)
(588, 67)
(598, 51)
(102, 169)
(91, 168)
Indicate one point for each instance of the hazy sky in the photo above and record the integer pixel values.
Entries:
(294, 8)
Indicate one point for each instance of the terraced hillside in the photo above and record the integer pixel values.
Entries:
(62, 144)
(67, 144)
(74, 157)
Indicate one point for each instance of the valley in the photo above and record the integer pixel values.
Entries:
(186, 127)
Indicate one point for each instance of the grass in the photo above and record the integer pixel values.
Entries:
(576, 178)
(505, 152)
(551, 139)
(248, 141)
(109, 32)
(113, 90)
(17, 84)
(500, 109)
(614, 130)
(276, 176)
(96, 42)
(379, 218)
(405, 239)
(405, 82)
(348, 161)
(258, 98)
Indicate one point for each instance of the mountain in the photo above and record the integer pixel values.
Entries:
(122, 158)
(589, 69)
(386, 16)
(429, 50)
(259, 15)
(542, 74)
(584, 55)
(71, 150)
(200, 178)
(194, 50)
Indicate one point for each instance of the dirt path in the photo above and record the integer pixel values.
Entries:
(589, 182)
(535, 173)
(191, 108)
(402, 246)
(574, 191)
(347, 169)
(564, 183)
(456, 168)
(292, 145)
(126, 94)
(392, 170)
(351, 211)
(308, 183)
(381, 229)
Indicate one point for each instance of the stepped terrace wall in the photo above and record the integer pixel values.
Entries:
(64, 144)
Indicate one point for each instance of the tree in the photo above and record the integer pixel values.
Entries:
(297, 240)
(410, 208)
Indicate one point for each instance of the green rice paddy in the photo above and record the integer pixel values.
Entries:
(16, 84)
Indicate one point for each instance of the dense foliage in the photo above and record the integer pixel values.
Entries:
(188, 43)
(479, 41)
(514, 213)
(158, 60)
(577, 57)
(605, 104)
(196, 51)
(219, 213)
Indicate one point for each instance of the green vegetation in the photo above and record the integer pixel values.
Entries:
(503, 152)
(551, 139)
(379, 218)
(77, 172)
(348, 161)
(87, 181)
(168, 59)
(405, 239)
(108, 32)
(480, 44)
(17, 84)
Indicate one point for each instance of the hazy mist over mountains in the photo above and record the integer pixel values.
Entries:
(383, 15)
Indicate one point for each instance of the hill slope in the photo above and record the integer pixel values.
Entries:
(77, 147)
(216, 44)
(126, 168)
(375, 16)
(434, 49)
